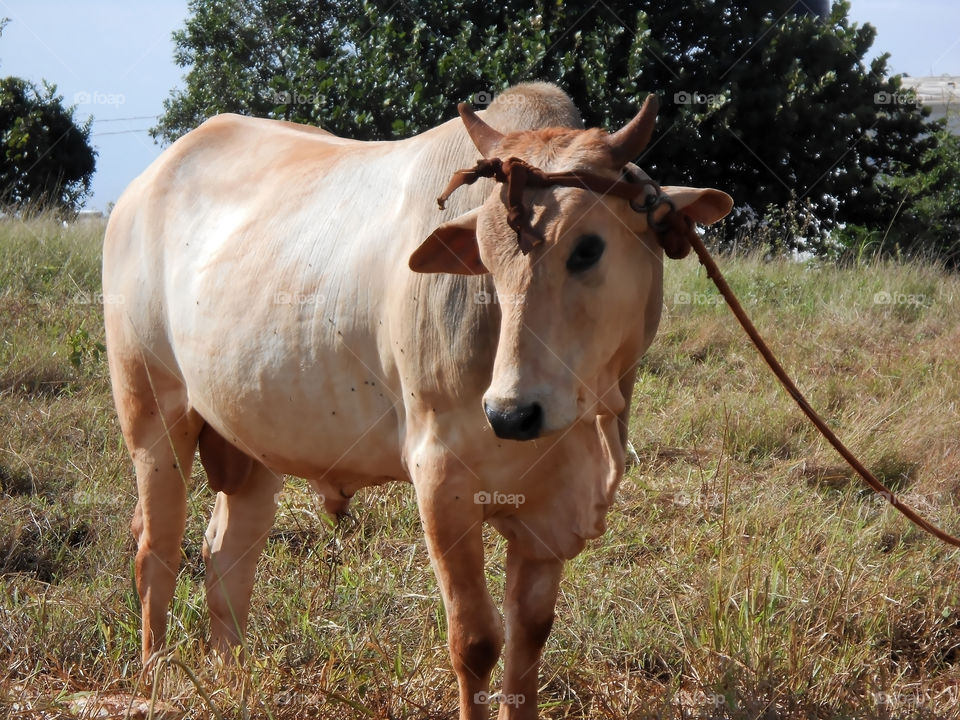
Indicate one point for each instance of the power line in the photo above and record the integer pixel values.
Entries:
(136, 117)
(120, 132)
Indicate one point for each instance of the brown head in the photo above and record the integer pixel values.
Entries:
(580, 295)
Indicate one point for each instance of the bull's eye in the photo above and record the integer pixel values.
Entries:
(585, 255)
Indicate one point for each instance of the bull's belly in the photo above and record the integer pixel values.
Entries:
(313, 421)
(318, 450)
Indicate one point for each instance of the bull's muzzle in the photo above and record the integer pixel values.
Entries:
(524, 422)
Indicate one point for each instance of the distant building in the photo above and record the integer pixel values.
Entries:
(941, 94)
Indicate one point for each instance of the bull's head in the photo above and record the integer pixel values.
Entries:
(580, 298)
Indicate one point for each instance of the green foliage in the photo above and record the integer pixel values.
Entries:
(929, 220)
(84, 349)
(46, 160)
(268, 58)
(45, 156)
(925, 218)
(773, 105)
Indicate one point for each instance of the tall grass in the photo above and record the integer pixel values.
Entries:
(745, 573)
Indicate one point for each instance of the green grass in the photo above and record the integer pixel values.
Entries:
(745, 572)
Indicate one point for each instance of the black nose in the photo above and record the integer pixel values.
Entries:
(522, 423)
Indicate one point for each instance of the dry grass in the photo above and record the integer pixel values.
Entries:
(745, 574)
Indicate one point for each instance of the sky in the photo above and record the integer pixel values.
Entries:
(114, 60)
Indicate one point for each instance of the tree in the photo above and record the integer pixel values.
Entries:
(267, 58)
(766, 100)
(925, 221)
(45, 157)
(931, 222)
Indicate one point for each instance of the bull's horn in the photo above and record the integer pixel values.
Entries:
(630, 140)
(483, 136)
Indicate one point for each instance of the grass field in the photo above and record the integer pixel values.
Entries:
(744, 574)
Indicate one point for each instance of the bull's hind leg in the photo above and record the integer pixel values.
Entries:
(236, 536)
(161, 433)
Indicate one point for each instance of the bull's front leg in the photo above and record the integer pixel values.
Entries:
(529, 600)
(453, 526)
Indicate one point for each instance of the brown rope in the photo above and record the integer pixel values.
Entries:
(713, 272)
(519, 175)
(676, 232)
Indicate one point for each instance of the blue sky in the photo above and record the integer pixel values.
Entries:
(114, 59)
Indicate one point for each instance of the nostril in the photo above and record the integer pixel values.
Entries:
(531, 419)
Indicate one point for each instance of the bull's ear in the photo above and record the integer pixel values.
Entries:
(451, 248)
(704, 205)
